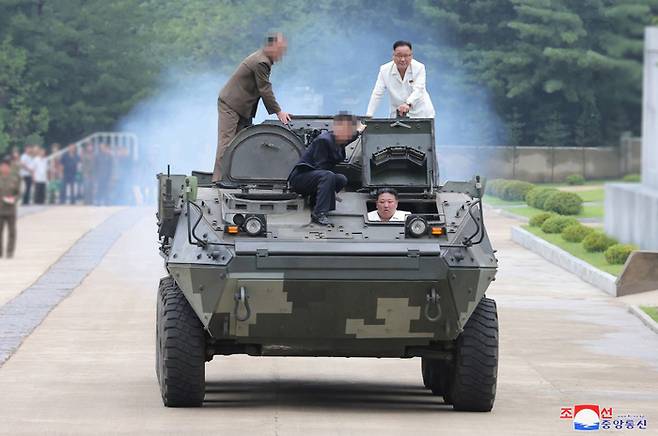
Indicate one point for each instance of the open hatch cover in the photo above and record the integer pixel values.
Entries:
(262, 154)
(399, 153)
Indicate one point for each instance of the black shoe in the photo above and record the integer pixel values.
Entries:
(320, 219)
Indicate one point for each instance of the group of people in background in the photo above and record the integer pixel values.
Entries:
(87, 175)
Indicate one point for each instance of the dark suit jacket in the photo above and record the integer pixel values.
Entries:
(249, 83)
(322, 154)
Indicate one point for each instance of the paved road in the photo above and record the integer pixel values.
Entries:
(89, 367)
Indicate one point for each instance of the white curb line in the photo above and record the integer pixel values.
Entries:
(556, 255)
(642, 315)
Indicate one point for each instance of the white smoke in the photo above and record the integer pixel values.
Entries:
(178, 124)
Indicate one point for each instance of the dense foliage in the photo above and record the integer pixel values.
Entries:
(576, 232)
(598, 241)
(564, 203)
(557, 223)
(552, 72)
(618, 253)
(538, 219)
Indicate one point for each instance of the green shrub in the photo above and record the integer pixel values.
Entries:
(634, 178)
(618, 253)
(531, 195)
(564, 203)
(597, 241)
(540, 197)
(538, 219)
(576, 232)
(495, 186)
(557, 223)
(575, 179)
(515, 190)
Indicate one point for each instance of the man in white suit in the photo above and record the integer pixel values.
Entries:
(404, 79)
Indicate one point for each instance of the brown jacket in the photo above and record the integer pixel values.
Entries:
(10, 186)
(249, 83)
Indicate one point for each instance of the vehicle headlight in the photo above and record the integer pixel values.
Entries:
(253, 225)
(416, 226)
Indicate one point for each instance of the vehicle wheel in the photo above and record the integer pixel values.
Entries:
(472, 384)
(425, 370)
(180, 348)
(435, 375)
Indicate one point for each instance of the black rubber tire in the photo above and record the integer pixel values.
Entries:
(472, 384)
(435, 375)
(180, 348)
(426, 372)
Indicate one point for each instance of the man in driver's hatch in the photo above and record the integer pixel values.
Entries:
(238, 99)
(387, 207)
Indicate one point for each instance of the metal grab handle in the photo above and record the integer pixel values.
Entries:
(433, 300)
(242, 296)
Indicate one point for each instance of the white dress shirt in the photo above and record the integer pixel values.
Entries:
(399, 215)
(28, 161)
(40, 165)
(410, 90)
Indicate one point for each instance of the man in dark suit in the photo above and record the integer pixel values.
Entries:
(313, 175)
(238, 100)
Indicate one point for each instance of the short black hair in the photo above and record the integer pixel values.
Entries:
(401, 43)
(391, 191)
(344, 116)
(274, 37)
(6, 159)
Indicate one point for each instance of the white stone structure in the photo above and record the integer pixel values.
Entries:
(631, 210)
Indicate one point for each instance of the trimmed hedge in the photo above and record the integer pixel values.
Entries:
(576, 232)
(618, 253)
(539, 198)
(510, 190)
(538, 219)
(597, 241)
(634, 178)
(495, 187)
(557, 223)
(516, 190)
(564, 203)
(575, 179)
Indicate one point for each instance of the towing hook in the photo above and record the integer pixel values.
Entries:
(241, 296)
(432, 299)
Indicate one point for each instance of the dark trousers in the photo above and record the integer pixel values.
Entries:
(28, 189)
(39, 193)
(321, 185)
(63, 191)
(11, 224)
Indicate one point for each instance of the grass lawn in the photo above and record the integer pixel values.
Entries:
(589, 211)
(519, 208)
(495, 201)
(592, 195)
(595, 259)
(651, 311)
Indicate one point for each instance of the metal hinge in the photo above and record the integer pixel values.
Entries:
(413, 253)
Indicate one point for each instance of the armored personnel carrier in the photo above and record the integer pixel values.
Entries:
(249, 273)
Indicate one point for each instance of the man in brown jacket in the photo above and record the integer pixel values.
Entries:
(10, 184)
(238, 100)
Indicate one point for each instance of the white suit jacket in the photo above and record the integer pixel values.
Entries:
(410, 90)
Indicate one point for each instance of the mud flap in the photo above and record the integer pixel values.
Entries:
(640, 273)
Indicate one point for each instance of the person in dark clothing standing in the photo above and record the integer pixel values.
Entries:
(10, 185)
(104, 167)
(69, 162)
(313, 175)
